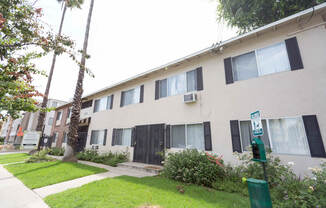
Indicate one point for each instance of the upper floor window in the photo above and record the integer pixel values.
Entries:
(65, 137)
(282, 56)
(55, 137)
(261, 62)
(121, 137)
(98, 137)
(87, 104)
(59, 115)
(54, 104)
(69, 112)
(103, 103)
(179, 84)
(132, 96)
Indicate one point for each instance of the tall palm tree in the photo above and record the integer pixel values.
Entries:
(70, 152)
(66, 4)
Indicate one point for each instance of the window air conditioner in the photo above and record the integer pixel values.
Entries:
(190, 98)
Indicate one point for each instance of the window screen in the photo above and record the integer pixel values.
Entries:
(131, 96)
(123, 137)
(97, 137)
(245, 66)
(178, 135)
(246, 134)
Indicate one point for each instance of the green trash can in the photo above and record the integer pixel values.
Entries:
(259, 193)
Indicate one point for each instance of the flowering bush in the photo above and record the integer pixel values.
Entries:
(192, 166)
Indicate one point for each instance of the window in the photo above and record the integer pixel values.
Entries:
(54, 104)
(98, 137)
(87, 104)
(283, 136)
(50, 121)
(122, 137)
(288, 136)
(55, 136)
(188, 136)
(69, 112)
(102, 104)
(269, 60)
(59, 114)
(246, 134)
(178, 84)
(65, 137)
(131, 96)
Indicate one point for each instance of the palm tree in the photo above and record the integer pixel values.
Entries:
(70, 152)
(66, 4)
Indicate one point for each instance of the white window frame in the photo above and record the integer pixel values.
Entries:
(257, 62)
(186, 134)
(97, 138)
(133, 95)
(270, 138)
(168, 80)
(107, 107)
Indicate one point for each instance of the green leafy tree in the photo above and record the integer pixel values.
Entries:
(24, 38)
(247, 15)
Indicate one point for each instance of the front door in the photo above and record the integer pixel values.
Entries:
(149, 143)
(82, 138)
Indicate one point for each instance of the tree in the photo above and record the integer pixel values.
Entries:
(247, 15)
(70, 153)
(70, 4)
(24, 38)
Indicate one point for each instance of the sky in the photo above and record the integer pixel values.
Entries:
(128, 37)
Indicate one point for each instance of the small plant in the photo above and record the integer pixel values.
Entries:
(112, 159)
(192, 166)
(56, 151)
(2, 140)
(40, 156)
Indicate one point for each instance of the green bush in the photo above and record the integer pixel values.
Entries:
(2, 140)
(287, 190)
(192, 166)
(56, 151)
(40, 156)
(112, 159)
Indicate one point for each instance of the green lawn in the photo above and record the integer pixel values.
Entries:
(130, 192)
(11, 158)
(35, 175)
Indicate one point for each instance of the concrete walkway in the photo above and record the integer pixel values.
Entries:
(14, 194)
(113, 172)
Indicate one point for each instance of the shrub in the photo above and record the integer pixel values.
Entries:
(287, 190)
(112, 159)
(192, 166)
(39, 157)
(56, 151)
(2, 140)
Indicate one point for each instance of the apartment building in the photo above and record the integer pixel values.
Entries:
(60, 125)
(204, 100)
(28, 121)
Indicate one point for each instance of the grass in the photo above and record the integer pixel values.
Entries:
(36, 175)
(131, 192)
(11, 158)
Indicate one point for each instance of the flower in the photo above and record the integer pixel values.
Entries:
(311, 188)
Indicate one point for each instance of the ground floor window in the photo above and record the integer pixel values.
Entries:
(188, 136)
(98, 137)
(122, 137)
(65, 137)
(283, 136)
(55, 137)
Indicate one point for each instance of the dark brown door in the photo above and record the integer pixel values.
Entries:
(149, 144)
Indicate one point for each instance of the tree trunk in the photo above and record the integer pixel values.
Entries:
(41, 117)
(71, 147)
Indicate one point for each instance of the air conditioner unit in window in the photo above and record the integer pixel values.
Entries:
(94, 147)
(190, 98)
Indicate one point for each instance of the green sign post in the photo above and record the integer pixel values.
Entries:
(258, 189)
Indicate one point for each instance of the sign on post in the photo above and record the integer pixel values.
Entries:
(256, 124)
(31, 139)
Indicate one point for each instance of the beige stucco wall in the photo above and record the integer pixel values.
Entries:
(285, 94)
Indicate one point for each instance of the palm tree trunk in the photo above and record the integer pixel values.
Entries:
(70, 152)
(41, 117)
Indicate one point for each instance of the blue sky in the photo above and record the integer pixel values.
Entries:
(129, 37)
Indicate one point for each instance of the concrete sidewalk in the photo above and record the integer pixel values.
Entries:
(113, 172)
(14, 194)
